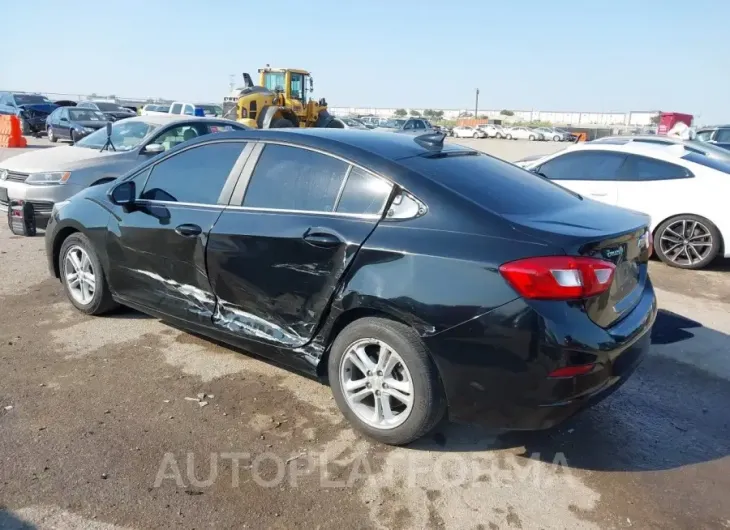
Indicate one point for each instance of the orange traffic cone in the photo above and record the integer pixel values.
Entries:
(10, 133)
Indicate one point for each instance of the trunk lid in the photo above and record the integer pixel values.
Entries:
(605, 232)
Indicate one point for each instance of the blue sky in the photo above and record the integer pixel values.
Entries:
(616, 55)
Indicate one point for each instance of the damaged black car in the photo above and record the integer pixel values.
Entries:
(31, 109)
(419, 279)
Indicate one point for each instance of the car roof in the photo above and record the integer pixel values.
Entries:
(663, 152)
(165, 119)
(386, 145)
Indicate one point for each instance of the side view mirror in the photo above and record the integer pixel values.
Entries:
(123, 194)
(311, 84)
(154, 149)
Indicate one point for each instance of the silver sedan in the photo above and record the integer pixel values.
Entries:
(44, 177)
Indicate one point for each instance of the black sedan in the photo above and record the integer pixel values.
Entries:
(416, 277)
(71, 123)
(112, 111)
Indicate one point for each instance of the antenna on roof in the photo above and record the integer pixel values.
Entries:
(433, 141)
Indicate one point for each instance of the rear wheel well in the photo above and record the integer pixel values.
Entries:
(344, 320)
(57, 243)
(722, 241)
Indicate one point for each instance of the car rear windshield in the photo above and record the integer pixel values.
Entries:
(714, 163)
(497, 185)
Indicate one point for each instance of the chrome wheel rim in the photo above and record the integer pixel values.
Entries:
(79, 275)
(686, 242)
(376, 384)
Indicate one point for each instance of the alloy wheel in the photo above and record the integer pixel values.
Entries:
(686, 242)
(376, 383)
(79, 275)
(50, 134)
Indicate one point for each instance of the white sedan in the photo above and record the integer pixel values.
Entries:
(684, 192)
(468, 132)
(523, 133)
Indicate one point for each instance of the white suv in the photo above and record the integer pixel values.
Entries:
(523, 133)
(492, 130)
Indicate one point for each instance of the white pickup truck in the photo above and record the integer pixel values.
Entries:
(196, 109)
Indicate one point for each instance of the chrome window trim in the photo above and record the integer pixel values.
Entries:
(250, 166)
(145, 202)
(232, 175)
(304, 212)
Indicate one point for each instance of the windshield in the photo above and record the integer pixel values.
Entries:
(211, 110)
(709, 149)
(126, 135)
(274, 80)
(31, 99)
(393, 124)
(113, 107)
(85, 115)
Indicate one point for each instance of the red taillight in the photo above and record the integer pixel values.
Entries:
(572, 371)
(558, 277)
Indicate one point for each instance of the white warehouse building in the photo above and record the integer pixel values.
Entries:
(584, 119)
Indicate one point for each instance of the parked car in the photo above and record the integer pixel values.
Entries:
(703, 148)
(152, 109)
(351, 123)
(468, 132)
(327, 250)
(44, 177)
(492, 130)
(407, 125)
(372, 121)
(556, 135)
(112, 111)
(195, 109)
(71, 123)
(523, 133)
(31, 109)
(684, 192)
(718, 135)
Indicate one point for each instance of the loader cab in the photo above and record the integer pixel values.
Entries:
(294, 84)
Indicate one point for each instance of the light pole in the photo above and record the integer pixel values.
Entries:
(476, 104)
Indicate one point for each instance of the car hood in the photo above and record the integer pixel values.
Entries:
(40, 107)
(93, 124)
(63, 158)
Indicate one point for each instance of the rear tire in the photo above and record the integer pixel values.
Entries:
(24, 127)
(687, 236)
(509, 137)
(532, 138)
(414, 371)
(556, 138)
(79, 293)
(281, 123)
(476, 136)
(72, 136)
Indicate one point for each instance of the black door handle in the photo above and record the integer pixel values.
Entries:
(188, 230)
(321, 239)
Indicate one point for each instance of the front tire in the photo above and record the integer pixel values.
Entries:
(83, 276)
(385, 382)
(509, 137)
(51, 136)
(24, 127)
(476, 136)
(687, 242)
(72, 136)
(532, 138)
(556, 138)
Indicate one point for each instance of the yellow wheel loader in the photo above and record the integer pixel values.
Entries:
(280, 100)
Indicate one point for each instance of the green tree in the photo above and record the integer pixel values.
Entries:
(415, 113)
(655, 119)
(400, 113)
(465, 115)
(438, 114)
(506, 112)
(428, 113)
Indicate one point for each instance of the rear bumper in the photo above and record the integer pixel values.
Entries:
(495, 368)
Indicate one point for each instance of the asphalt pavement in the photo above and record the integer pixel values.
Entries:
(126, 422)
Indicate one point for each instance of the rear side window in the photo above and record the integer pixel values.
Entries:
(195, 175)
(363, 193)
(584, 165)
(291, 178)
(714, 163)
(642, 168)
(176, 108)
(723, 136)
(499, 186)
(704, 136)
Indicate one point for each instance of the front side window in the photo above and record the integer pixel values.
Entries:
(189, 110)
(177, 135)
(364, 193)
(583, 166)
(85, 115)
(642, 168)
(418, 124)
(297, 85)
(176, 108)
(704, 136)
(291, 178)
(196, 175)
